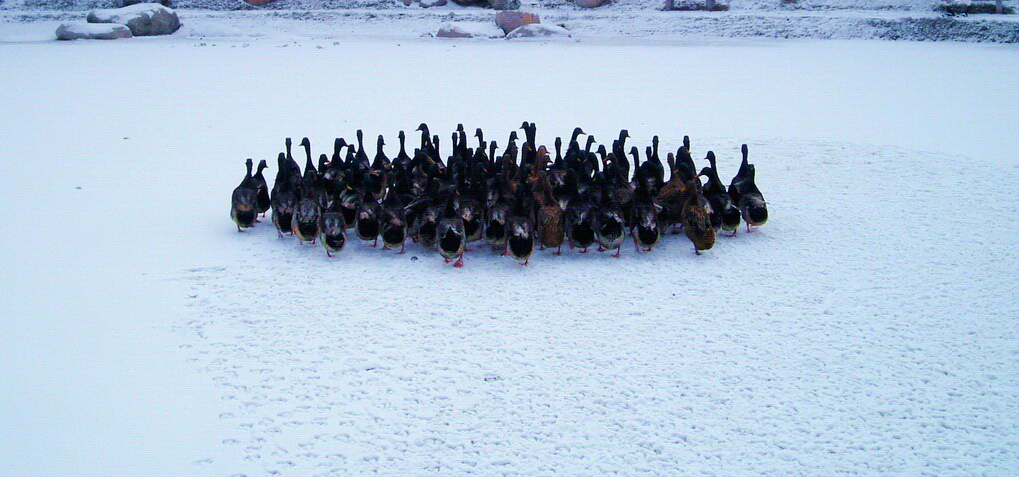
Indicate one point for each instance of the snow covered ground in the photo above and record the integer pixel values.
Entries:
(868, 328)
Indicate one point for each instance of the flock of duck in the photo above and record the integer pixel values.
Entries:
(511, 201)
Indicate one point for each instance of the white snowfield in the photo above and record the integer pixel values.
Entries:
(869, 328)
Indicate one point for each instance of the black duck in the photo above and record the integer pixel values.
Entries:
(244, 201)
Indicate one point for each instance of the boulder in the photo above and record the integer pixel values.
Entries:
(142, 18)
(538, 30)
(165, 3)
(510, 20)
(92, 31)
(504, 4)
(469, 30)
(432, 3)
(467, 3)
(590, 3)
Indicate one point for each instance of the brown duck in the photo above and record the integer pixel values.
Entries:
(549, 220)
(696, 217)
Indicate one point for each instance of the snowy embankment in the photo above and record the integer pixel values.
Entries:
(913, 20)
(868, 328)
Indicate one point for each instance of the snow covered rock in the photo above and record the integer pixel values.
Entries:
(590, 3)
(92, 31)
(469, 30)
(510, 20)
(538, 30)
(142, 18)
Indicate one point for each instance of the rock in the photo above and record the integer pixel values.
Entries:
(432, 3)
(467, 3)
(510, 20)
(165, 3)
(449, 30)
(92, 31)
(142, 18)
(696, 5)
(469, 30)
(504, 4)
(590, 3)
(538, 30)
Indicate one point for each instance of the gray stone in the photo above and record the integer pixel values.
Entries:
(538, 30)
(142, 18)
(92, 31)
(590, 3)
(504, 4)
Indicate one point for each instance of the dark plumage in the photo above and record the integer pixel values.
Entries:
(378, 174)
(368, 226)
(696, 217)
(361, 157)
(264, 202)
(495, 225)
(744, 193)
(426, 221)
(284, 195)
(244, 201)
(670, 198)
(580, 222)
(290, 164)
(645, 230)
(402, 159)
(520, 226)
(449, 234)
(724, 214)
(334, 231)
(609, 224)
(470, 212)
(530, 132)
(393, 223)
(306, 222)
(511, 200)
(685, 167)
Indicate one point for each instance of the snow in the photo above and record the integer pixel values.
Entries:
(867, 328)
(470, 30)
(79, 30)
